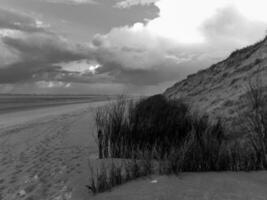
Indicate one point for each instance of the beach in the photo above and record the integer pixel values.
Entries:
(44, 155)
(44, 152)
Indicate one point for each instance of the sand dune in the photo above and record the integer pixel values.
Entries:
(44, 156)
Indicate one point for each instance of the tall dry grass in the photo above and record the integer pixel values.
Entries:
(156, 131)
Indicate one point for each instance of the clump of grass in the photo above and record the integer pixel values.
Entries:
(129, 128)
(92, 185)
(147, 164)
(99, 181)
(116, 175)
(111, 174)
(164, 126)
(166, 132)
(103, 183)
(128, 172)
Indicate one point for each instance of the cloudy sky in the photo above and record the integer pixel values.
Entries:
(118, 46)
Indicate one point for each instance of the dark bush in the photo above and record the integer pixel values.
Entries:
(131, 128)
(206, 140)
(165, 130)
(158, 122)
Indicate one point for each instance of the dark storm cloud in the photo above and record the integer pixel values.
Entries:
(15, 73)
(39, 52)
(38, 62)
(20, 72)
(45, 48)
(37, 49)
(10, 19)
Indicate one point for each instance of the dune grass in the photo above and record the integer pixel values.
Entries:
(160, 132)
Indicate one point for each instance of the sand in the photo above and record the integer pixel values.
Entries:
(44, 155)
(44, 152)
(194, 186)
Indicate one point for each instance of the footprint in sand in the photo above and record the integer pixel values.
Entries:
(30, 188)
(2, 188)
(2, 181)
(13, 180)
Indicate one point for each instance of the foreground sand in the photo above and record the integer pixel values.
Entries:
(194, 186)
(44, 156)
(44, 152)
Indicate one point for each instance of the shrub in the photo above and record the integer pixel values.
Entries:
(253, 119)
(203, 145)
(107, 174)
(132, 128)
(158, 122)
(156, 129)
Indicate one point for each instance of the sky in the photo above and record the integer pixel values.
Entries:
(136, 47)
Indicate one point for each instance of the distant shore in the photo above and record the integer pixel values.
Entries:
(18, 102)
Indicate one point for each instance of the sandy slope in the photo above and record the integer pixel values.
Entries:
(44, 152)
(219, 90)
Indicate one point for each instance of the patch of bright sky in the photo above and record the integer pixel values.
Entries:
(181, 20)
(81, 67)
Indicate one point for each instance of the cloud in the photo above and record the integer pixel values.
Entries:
(52, 84)
(130, 3)
(44, 48)
(7, 56)
(72, 2)
(37, 53)
(31, 50)
(130, 60)
(14, 20)
(82, 67)
(230, 27)
(181, 40)
(183, 21)
(152, 54)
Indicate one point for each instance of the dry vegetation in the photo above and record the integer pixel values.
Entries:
(253, 120)
(158, 135)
